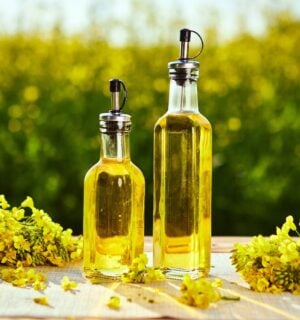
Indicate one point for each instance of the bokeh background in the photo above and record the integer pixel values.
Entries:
(56, 58)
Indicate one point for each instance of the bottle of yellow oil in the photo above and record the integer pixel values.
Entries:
(182, 175)
(114, 190)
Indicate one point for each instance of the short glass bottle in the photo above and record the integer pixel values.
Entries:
(114, 191)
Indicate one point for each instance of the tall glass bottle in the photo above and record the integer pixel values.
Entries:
(182, 175)
(114, 191)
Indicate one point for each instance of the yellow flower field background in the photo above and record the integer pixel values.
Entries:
(53, 87)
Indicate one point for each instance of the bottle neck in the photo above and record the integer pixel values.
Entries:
(115, 146)
(183, 96)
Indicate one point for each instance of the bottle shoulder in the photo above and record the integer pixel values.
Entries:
(113, 168)
(92, 170)
(182, 119)
(137, 171)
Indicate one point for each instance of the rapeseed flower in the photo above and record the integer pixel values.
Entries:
(42, 300)
(31, 240)
(139, 272)
(199, 293)
(67, 284)
(271, 264)
(20, 277)
(34, 239)
(114, 302)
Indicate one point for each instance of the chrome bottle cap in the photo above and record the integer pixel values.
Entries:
(185, 68)
(115, 121)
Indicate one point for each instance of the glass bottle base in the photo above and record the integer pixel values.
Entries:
(178, 274)
(99, 276)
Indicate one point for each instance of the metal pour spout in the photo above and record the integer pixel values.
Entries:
(114, 120)
(185, 38)
(115, 87)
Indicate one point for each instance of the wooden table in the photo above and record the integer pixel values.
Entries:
(89, 301)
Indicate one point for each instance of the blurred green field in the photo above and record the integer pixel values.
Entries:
(53, 88)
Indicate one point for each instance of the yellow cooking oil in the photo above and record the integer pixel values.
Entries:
(182, 194)
(113, 202)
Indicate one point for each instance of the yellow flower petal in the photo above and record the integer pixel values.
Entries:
(114, 303)
(42, 300)
(27, 203)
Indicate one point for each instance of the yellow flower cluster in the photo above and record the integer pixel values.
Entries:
(200, 293)
(19, 277)
(140, 273)
(271, 264)
(28, 235)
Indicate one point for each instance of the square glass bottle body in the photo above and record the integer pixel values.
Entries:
(182, 186)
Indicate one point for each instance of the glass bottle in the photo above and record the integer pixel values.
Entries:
(114, 190)
(182, 175)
